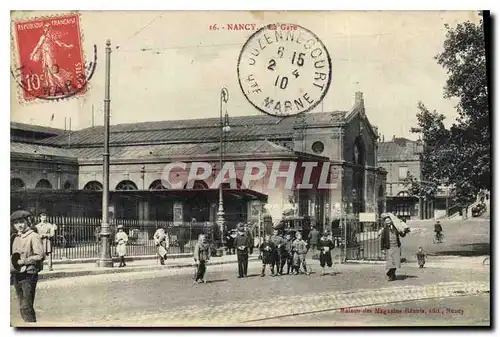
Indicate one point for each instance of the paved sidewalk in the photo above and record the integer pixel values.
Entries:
(83, 269)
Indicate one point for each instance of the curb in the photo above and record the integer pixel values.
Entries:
(76, 273)
(116, 259)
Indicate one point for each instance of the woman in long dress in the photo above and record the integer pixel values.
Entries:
(44, 52)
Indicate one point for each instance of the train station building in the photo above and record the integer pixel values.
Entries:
(61, 172)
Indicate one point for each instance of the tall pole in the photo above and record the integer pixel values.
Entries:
(224, 97)
(105, 259)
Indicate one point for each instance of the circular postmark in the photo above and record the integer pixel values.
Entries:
(284, 70)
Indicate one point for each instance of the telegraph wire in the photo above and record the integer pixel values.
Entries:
(140, 30)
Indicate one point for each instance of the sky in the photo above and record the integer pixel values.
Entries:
(171, 65)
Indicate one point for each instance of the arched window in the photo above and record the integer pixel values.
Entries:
(197, 185)
(16, 184)
(67, 185)
(381, 191)
(93, 186)
(359, 152)
(157, 185)
(44, 183)
(126, 185)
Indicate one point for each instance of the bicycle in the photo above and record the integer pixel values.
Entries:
(486, 261)
(438, 238)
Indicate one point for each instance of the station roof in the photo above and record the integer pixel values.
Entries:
(35, 128)
(192, 130)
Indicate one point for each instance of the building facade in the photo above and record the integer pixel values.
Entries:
(342, 144)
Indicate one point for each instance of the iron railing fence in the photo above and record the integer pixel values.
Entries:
(360, 241)
(79, 237)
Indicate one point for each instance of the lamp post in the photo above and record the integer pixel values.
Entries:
(105, 259)
(224, 128)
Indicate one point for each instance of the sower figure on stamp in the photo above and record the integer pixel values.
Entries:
(47, 232)
(325, 255)
(244, 246)
(299, 248)
(121, 240)
(27, 258)
(201, 257)
(278, 243)
(390, 241)
(45, 52)
(162, 242)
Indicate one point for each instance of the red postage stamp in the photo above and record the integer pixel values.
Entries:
(50, 57)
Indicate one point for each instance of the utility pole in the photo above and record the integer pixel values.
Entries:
(105, 259)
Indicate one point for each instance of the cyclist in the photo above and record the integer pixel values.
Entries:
(438, 229)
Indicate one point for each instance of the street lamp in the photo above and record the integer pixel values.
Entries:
(105, 259)
(224, 128)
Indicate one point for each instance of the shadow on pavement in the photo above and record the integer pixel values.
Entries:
(474, 249)
(216, 281)
(404, 277)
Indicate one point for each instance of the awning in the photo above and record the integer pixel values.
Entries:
(142, 194)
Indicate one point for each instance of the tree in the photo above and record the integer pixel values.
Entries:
(460, 157)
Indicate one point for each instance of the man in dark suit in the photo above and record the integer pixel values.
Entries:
(244, 246)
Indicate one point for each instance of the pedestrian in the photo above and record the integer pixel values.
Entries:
(325, 256)
(313, 241)
(121, 240)
(421, 257)
(267, 249)
(27, 258)
(162, 242)
(287, 254)
(278, 243)
(299, 248)
(47, 232)
(243, 247)
(201, 257)
(391, 243)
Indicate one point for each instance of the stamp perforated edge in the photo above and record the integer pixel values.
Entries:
(295, 114)
(16, 61)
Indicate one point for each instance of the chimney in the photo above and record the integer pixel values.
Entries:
(359, 102)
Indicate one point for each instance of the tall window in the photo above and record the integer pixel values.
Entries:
(403, 172)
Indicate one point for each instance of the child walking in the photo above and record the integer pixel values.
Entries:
(267, 250)
(201, 256)
(421, 257)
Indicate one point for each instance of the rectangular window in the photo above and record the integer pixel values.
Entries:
(403, 172)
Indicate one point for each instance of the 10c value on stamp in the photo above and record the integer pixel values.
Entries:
(284, 73)
(50, 58)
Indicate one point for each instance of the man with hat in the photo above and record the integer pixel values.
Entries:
(121, 239)
(325, 256)
(244, 246)
(26, 262)
(47, 232)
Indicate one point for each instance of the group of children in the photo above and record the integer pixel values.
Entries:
(277, 251)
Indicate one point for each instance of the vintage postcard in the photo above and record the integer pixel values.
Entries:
(250, 168)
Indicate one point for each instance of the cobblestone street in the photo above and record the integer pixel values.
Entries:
(169, 297)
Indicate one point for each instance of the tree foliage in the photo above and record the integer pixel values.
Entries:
(460, 156)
